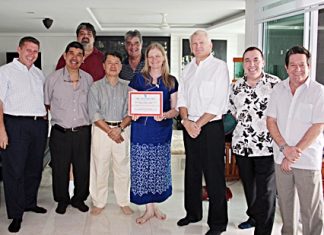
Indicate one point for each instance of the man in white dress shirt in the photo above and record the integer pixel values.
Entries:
(202, 100)
(23, 131)
(295, 121)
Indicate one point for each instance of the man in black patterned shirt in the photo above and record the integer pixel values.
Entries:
(252, 143)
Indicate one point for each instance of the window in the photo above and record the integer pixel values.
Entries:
(279, 36)
(320, 48)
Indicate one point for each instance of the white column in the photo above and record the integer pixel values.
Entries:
(251, 27)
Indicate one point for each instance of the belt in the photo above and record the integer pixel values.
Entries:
(25, 117)
(64, 130)
(113, 123)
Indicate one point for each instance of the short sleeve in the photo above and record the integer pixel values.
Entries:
(231, 105)
(176, 85)
(3, 85)
(271, 110)
(318, 109)
(135, 82)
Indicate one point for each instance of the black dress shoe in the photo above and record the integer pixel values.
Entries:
(61, 208)
(187, 220)
(36, 209)
(15, 225)
(81, 206)
(250, 223)
(214, 232)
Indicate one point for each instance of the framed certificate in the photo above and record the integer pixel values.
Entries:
(145, 103)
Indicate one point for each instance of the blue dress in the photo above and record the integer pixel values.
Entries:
(151, 150)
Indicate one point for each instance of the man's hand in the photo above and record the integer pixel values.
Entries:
(3, 138)
(292, 153)
(115, 135)
(285, 165)
(192, 128)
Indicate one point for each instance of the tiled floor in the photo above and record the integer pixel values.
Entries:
(113, 222)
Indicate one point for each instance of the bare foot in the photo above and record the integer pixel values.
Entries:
(144, 218)
(158, 214)
(126, 210)
(96, 210)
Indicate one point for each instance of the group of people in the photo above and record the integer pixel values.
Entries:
(278, 140)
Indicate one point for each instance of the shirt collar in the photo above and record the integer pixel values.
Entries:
(203, 61)
(66, 74)
(107, 82)
(262, 79)
(306, 83)
(127, 62)
(21, 65)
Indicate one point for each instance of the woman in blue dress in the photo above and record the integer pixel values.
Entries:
(151, 137)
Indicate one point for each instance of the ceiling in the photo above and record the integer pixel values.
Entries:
(118, 16)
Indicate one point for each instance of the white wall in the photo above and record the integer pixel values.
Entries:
(53, 45)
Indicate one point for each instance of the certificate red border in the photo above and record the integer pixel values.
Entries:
(131, 93)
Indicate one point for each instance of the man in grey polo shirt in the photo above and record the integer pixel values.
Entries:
(110, 137)
(66, 92)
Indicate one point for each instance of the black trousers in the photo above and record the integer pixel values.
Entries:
(205, 155)
(68, 148)
(258, 178)
(23, 162)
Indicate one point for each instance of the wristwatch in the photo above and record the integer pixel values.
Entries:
(121, 129)
(282, 147)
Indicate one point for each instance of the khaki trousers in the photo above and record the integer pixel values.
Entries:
(106, 152)
(308, 185)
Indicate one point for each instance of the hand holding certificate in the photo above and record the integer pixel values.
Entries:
(145, 103)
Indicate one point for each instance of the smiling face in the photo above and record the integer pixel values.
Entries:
(112, 66)
(155, 59)
(253, 64)
(86, 38)
(28, 53)
(133, 47)
(73, 58)
(298, 68)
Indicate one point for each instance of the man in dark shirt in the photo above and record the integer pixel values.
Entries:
(134, 62)
(93, 58)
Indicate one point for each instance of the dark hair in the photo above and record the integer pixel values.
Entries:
(132, 34)
(86, 26)
(28, 39)
(253, 49)
(297, 50)
(112, 53)
(74, 44)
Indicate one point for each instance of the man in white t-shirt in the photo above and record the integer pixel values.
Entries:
(295, 121)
